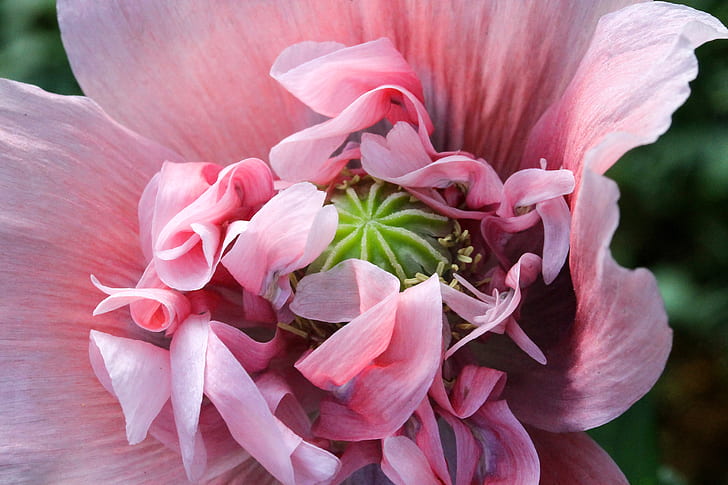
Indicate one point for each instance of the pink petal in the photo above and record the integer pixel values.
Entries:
(533, 185)
(467, 450)
(328, 77)
(358, 454)
(473, 386)
(615, 348)
(63, 425)
(510, 457)
(574, 458)
(344, 292)
(287, 234)
(427, 438)
(157, 309)
(284, 454)
(317, 143)
(614, 103)
(137, 373)
(357, 87)
(189, 245)
(402, 159)
(352, 348)
(556, 220)
(381, 398)
(213, 66)
(254, 356)
(187, 359)
(404, 463)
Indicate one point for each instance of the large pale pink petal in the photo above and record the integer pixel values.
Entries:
(203, 72)
(70, 179)
(137, 373)
(633, 77)
(606, 340)
(288, 233)
(283, 453)
(574, 458)
(381, 398)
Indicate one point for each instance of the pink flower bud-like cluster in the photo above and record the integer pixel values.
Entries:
(413, 285)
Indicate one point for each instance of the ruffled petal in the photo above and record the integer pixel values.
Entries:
(381, 398)
(606, 340)
(402, 159)
(154, 309)
(137, 373)
(283, 453)
(287, 234)
(68, 216)
(204, 71)
(188, 240)
(627, 86)
(574, 458)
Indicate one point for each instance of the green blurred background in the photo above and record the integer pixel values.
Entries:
(674, 205)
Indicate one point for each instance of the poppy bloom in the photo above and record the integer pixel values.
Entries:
(416, 285)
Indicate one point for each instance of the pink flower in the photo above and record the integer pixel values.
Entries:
(484, 130)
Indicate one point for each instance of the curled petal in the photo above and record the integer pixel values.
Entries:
(402, 159)
(328, 76)
(556, 220)
(154, 309)
(283, 453)
(473, 386)
(379, 399)
(188, 246)
(509, 454)
(533, 185)
(254, 356)
(286, 234)
(613, 101)
(137, 373)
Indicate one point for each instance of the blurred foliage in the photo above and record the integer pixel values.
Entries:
(673, 221)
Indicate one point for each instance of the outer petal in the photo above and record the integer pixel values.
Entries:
(612, 351)
(574, 458)
(634, 75)
(70, 179)
(204, 71)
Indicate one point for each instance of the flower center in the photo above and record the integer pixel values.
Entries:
(382, 224)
